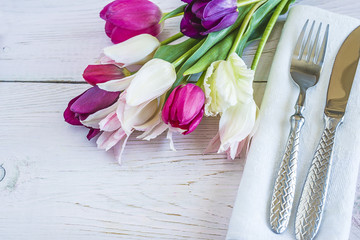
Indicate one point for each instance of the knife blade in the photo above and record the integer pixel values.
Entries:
(342, 75)
(312, 201)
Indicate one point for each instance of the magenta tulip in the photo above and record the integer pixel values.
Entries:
(101, 73)
(202, 17)
(128, 18)
(89, 102)
(184, 108)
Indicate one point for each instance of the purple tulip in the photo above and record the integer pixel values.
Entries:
(184, 108)
(202, 17)
(101, 73)
(89, 102)
(128, 18)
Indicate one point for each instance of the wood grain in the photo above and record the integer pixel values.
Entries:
(44, 40)
(59, 184)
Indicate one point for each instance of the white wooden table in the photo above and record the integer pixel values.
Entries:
(60, 186)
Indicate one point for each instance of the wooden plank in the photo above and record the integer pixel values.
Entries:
(58, 184)
(56, 40)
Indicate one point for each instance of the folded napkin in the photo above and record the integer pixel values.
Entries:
(250, 217)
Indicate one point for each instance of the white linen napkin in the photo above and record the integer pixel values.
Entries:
(250, 217)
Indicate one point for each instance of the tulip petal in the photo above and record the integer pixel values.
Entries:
(92, 133)
(198, 8)
(190, 28)
(225, 22)
(93, 119)
(150, 82)
(136, 50)
(110, 123)
(105, 9)
(195, 122)
(226, 83)
(211, 105)
(108, 140)
(168, 104)
(70, 116)
(121, 34)
(94, 99)
(213, 145)
(189, 100)
(218, 6)
(101, 73)
(138, 115)
(233, 132)
(116, 85)
(154, 132)
(156, 117)
(135, 14)
(119, 148)
(109, 28)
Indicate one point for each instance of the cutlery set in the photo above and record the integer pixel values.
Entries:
(306, 64)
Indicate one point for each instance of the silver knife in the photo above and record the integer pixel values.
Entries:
(313, 197)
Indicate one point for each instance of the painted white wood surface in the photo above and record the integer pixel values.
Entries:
(54, 40)
(58, 185)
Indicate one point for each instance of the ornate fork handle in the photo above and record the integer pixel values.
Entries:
(313, 197)
(284, 189)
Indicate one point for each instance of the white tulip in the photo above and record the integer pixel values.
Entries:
(153, 80)
(229, 92)
(139, 106)
(136, 50)
(226, 83)
(236, 124)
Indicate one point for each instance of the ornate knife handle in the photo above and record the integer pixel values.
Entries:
(284, 189)
(313, 197)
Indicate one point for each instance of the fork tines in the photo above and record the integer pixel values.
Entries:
(308, 46)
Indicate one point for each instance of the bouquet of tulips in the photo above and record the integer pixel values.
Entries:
(142, 84)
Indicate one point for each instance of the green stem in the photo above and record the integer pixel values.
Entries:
(243, 27)
(174, 13)
(242, 3)
(172, 38)
(172, 16)
(126, 72)
(185, 56)
(200, 82)
(267, 32)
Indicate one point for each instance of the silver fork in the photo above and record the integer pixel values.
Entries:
(306, 65)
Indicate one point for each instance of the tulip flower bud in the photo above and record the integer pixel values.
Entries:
(89, 102)
(184, 108)
(100, 73)
(126, 19)
(202, 17)
(136, 50)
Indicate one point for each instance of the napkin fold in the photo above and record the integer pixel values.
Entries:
(250, 217)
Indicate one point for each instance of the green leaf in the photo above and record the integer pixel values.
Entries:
(174, 13)
(262, 12)
(286, 8)
(256, 26)
(217, 52)
(212, 39)
(253, 33)
(268, 29)
(172, 52)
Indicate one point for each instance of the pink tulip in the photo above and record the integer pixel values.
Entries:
(101, 73)
(87, 103)
(184, 108)
(129, 18)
